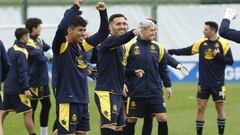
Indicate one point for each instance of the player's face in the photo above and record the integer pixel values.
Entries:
(149, 33)
(118, 26)
(78, 33)
(25, 38)
(208, 31)
(37, 30)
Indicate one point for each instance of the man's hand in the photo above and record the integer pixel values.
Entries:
(125, 90)
(216, 51)
(138, 32)
(169, 92)
(183, 69)
(230, 14)
(28, 93)
(139, 73)
(78, 2)
(101, 6)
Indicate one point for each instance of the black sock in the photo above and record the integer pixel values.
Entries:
(119, 133)
(107, 131)
(199, 126)
(221, 126)
(129, 129)
(147, 125)
(162, 128)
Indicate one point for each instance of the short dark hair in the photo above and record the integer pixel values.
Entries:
(20, 32)
(154, 21)
(212, 25)
(77, 21)
(112, 17)
(32, 23)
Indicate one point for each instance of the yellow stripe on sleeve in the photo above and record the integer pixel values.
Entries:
(23, 50)
(196, 45)
(63, 47)
(161, 50)
(127, 47)
(86, 46)
(32, 43)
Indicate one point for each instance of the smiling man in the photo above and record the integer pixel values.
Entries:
(71, 68)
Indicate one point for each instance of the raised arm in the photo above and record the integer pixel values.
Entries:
(225, 31)
(103, 30)
(62, 27)
(228, 33)
(115, 41)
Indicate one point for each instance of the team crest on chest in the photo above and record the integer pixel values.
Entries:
(153, 49)
(136, 50)
(80, 62)
(208, 54)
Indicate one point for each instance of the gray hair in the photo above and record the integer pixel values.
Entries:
(145, 24)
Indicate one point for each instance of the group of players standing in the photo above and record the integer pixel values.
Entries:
(131, 68)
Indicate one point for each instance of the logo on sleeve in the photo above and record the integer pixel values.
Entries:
(153, 49)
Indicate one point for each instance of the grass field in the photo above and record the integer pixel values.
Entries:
(181, 113)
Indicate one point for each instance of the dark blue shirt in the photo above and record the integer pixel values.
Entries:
(38, 71)
(150, 57)
(70, 64)
(17, 80)
(109, 63)
(211, 68)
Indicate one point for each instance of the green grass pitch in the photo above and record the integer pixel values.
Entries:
(181, 113)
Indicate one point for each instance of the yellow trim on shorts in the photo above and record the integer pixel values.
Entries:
(64, 112)
(128, 103)
(25, 100)
(30, 110)
(9, 110)
(104, 99)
